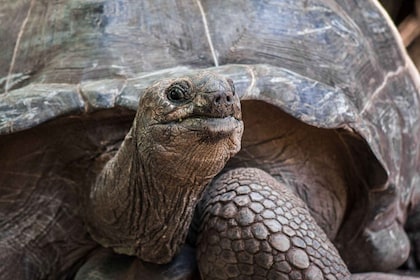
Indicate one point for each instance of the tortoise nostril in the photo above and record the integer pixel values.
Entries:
(217, 103)
(223, 98)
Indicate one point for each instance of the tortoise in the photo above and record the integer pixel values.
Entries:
(323, 180)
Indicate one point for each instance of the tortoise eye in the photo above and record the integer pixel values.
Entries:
(179, 92)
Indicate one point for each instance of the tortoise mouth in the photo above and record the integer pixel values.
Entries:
(197, 122)
(212, 125)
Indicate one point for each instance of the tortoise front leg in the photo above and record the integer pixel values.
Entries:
(253, 227)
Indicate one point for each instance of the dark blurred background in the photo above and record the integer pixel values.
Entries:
(406, 15)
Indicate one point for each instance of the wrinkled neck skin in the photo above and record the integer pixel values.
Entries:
(143, 201)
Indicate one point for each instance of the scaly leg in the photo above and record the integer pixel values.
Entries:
(253, 227)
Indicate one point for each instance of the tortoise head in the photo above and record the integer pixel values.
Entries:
(190, 121)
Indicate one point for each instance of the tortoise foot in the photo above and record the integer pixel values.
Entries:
(254, 227)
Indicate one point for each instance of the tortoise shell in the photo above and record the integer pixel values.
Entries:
(73, 73)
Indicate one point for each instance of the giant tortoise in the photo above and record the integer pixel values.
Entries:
(321, 182)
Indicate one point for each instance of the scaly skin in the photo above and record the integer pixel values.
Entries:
(253, 227)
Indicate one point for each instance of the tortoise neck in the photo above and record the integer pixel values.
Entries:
(137, 208)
